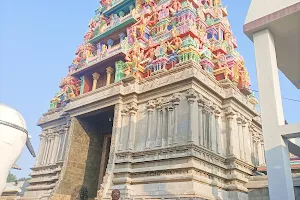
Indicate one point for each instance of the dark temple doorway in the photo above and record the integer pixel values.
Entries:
(98, 128)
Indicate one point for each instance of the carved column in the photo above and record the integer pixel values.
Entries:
(159, 128)
(240, 137)
(132, 107)
(218, 130)
(64, 143)
(95, 80)
(175, 100)
(44, 158)
(259, 151)
(109, 72)
(191, 98)
(263, 151)
(211, 128)
(123, 115)
(205, 124)
(200, 120)
(60, 136)
(51, 142)
(256, 152)
(252, 153)
(170, 116)
(230, 114)
(164, 133)
(55, 147)
(247, 140)
(150, 107)
(41, 150)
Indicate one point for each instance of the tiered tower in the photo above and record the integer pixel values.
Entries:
(156, 104)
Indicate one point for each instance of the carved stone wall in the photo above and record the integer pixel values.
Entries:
(83, 160)
(177, 134)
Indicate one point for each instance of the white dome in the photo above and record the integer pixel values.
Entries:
(10, 115)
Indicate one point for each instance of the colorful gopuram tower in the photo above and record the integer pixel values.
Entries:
(156, 104)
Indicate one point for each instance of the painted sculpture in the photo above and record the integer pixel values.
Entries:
(155, 36)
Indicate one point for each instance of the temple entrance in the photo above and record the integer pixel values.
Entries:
(97, 126)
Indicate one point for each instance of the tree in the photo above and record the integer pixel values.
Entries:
(11, 177)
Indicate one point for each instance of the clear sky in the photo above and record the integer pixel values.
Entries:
(37, 44)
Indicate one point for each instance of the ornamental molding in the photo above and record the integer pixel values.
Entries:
(168, 153)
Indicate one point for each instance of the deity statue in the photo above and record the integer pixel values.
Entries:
(201, 13)
(89, 35)
(105, 2)
(139, 27)
(220, 60)
(245, 79)
(69, 88)
(153, 18)
(79, 54)
(134, 58)
(103, 51)
(202, 32)
(89, 49)
(114, 19)
(217, 2)
(150, 53)
(228, 37)
(218, 12)
(176, 41)
(235, 73)
(175, 6)
(101, 24)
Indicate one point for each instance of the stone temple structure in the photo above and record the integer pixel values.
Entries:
(156, 104)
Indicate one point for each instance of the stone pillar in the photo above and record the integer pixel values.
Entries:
(64, 141)
(259, 151)
(54, 148)
(263, 152)
(159, 128)
(95, 80)
(41, 150)
(256, 154)
(123, 115)
(200, 120)
(44, 158)
(109, 72)
(175, 100)
(211, 129)
(240, 138)
(218, 130)
(170, 116)
(51, 142)
(60, 136)
(247, 140)
(132, 107)
(192, 122)
(164, 133)
(205, 125)
(230, 114)
(150, 107)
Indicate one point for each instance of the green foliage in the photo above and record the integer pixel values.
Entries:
(11, 177)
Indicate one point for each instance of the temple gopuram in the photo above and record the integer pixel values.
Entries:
(156, 104)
